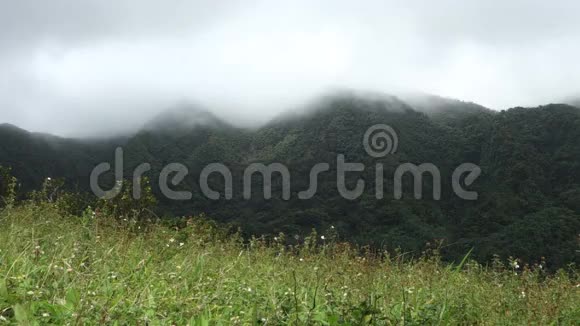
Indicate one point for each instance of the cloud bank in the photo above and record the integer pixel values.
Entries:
(88, 67)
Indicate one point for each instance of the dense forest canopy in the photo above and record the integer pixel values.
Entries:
(529, 190)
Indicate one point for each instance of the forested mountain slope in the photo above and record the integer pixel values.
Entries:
(529, 189)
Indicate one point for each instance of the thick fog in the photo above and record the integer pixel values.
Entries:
(93, 67)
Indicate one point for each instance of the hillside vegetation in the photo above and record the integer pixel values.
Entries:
(96, 268)
(529, 189)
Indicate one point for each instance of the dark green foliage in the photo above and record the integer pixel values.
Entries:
(551, 233)
(8, 187)
(529, 203)
(126, 206)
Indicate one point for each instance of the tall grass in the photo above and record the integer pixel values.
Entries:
(86, 270)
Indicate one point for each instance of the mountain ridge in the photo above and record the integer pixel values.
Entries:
(530, 161)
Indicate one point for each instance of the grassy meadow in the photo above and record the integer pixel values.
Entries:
(98, 270)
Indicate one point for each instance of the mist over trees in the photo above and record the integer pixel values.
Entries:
(529, 189)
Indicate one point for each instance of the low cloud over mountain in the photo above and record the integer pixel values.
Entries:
(92, 67)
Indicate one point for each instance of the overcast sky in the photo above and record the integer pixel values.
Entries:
(82, 67)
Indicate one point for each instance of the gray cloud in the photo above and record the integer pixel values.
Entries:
(76, 67)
